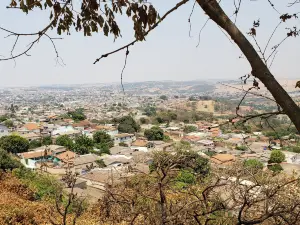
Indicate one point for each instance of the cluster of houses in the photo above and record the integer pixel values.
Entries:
(131, 153)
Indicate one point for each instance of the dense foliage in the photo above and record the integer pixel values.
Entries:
(8, 123)
(163, 97)
(127, 125)
(76, 115)
(253, 164)
(83, 145)
(277, 156)
(7, 162)
(14, 144)
(44, 186)
(150, 110)
(47, 140)
(65, 140)
(154, 134)
(35, 144)
(104, 139)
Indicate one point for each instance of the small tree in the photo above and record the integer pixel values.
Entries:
(14, 144)
(276, 168)
(100, 137)
(277, 156)
(7, 162)
(65, 140)
(253, 164)
(154, 134)
(76, 115)
(83, 144)
(128, 125)
(8, 123)
(163, 97)
(189, 129)
(35, 144)
(47, 140)
(100, 163)
(144, 120)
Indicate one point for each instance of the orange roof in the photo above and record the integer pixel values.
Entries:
(192, 138)
(52, 116)
(140, 143)
(31, 126)
(82, 123)
(34, 154)
(66, 156)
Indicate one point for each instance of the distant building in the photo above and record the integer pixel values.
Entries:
(206, 143)
(124, 138)
(112, 131)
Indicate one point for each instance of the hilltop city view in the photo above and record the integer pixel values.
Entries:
(134, 131)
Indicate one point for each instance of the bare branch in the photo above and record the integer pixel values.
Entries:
(189, 20)
(127, 53)
(39, 34)
(271, 36)
(146, 33)
(199, 36)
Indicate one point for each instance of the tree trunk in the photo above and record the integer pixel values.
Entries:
(259, 69)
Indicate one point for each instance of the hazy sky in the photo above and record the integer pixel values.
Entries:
(168, 54)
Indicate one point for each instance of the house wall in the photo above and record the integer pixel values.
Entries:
(127, 140)
(29, 163)
(143, 149)
(62, 130)
(112, 132)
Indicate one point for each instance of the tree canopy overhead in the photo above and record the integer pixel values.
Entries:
(94, 16)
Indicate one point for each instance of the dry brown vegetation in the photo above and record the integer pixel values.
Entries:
(18, 205)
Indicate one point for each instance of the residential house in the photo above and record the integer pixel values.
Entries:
(116, 160)
(62, 130)
(29, 128)
(233, 142)
(119, 150)
(112, 131)
(31, 136)
(82, 162)
(140, 145)
(44, 154)
(206, 143)
(124, 138)
(81, 125)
